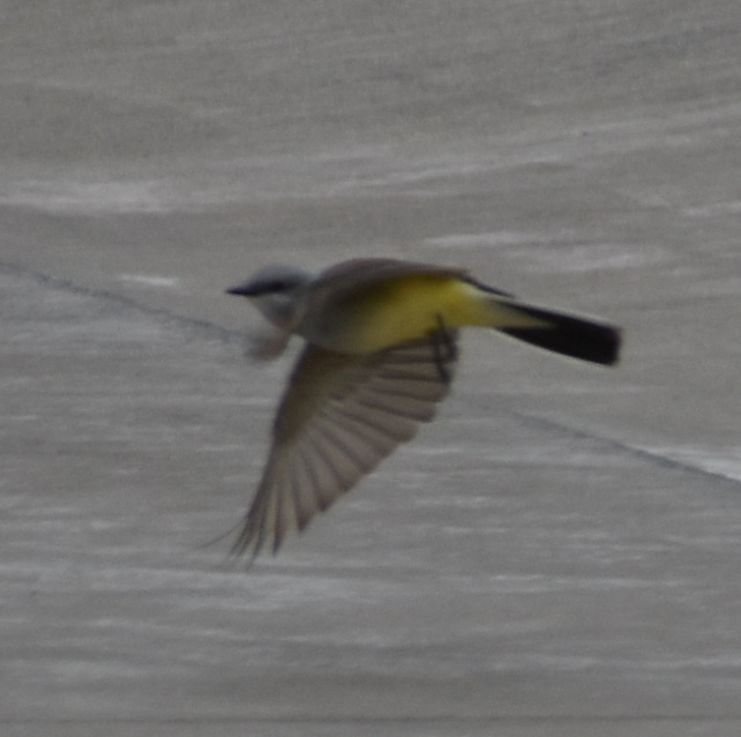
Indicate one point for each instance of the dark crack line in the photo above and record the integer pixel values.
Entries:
(653, 457)
(47, 280)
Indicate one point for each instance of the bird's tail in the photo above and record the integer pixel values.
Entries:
(576, 337)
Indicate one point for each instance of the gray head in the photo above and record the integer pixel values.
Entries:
(277, 291)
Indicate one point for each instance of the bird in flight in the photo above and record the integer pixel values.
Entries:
(381, 346)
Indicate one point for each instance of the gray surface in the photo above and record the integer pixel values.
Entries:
(558, 555)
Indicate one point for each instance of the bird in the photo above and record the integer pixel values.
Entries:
(380, 351)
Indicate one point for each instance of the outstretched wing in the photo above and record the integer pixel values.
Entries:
(339, 417)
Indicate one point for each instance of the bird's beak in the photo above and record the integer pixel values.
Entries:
(245, 289)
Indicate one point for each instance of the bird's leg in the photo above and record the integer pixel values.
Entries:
(443, 349)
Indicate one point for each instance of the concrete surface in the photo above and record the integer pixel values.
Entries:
(559, 554)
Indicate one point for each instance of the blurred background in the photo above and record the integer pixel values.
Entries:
(558, 554)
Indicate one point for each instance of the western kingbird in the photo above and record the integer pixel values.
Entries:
(380, 351)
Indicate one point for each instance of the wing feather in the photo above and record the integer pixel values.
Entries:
(340, 416)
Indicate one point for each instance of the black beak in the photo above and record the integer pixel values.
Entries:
(246, 289)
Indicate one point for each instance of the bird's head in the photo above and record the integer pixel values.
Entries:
(277, 291)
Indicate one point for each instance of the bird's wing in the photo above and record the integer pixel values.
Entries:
(339, 417)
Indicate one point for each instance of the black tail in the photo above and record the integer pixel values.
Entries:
(572, 336)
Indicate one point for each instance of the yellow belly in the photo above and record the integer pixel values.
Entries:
(408, 308)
